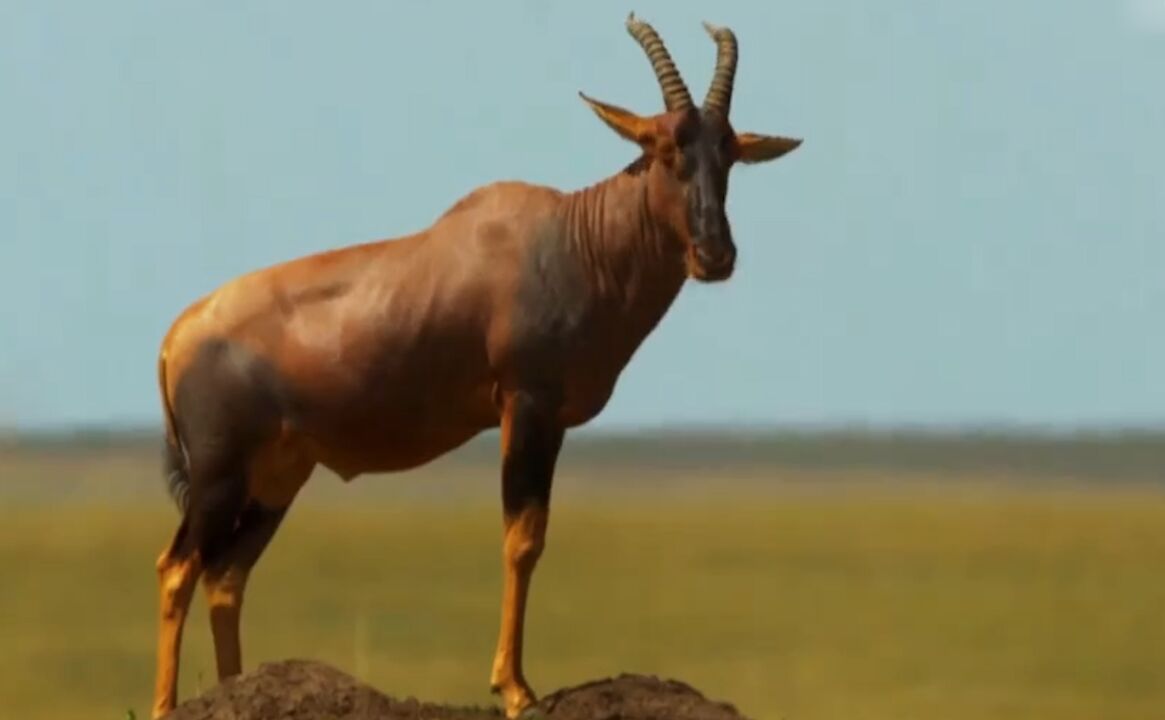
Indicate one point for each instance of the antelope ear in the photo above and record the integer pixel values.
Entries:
(630, 126)
(753, 148)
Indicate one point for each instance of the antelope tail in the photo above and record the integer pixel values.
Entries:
(173, 456)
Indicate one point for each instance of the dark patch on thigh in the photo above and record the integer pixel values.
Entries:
(227, 398)
(226, 404)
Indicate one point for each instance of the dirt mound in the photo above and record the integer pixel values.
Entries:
(305, 690)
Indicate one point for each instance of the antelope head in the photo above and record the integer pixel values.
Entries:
(688, 151)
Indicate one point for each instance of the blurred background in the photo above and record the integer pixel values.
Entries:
(908, 463)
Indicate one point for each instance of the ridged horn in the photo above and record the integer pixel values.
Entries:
(719, 97)
(675, 92)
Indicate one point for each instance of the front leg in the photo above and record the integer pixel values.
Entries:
(531, 439)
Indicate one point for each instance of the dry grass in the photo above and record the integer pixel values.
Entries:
(816, 598)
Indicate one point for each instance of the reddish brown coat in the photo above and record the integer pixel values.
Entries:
(519, 307)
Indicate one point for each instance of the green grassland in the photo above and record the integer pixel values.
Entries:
(796, 577)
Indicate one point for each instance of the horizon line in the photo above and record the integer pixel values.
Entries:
(997, 428)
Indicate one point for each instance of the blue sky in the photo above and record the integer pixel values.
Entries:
(971, 233)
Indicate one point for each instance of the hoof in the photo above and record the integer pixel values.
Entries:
(518, 701)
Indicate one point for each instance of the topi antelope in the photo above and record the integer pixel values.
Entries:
(518, 308)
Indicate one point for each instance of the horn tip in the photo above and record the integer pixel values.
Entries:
(719, 32)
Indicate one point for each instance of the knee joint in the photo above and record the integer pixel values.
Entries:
(526, 535)
(529, 550)
(523, 550)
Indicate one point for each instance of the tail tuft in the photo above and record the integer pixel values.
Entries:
(173, 456)
(177, 478)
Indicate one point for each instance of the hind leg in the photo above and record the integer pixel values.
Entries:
(225, 411)
(215, 500)
(225, 576)
(178, 569)
(226, 580)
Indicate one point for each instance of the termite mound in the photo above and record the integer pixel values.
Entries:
(307, 690)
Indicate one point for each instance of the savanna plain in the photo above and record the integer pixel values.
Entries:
(796, 576)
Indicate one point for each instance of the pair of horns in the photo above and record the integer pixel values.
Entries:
(675, 92)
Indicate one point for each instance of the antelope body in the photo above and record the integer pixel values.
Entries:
(518, 308)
